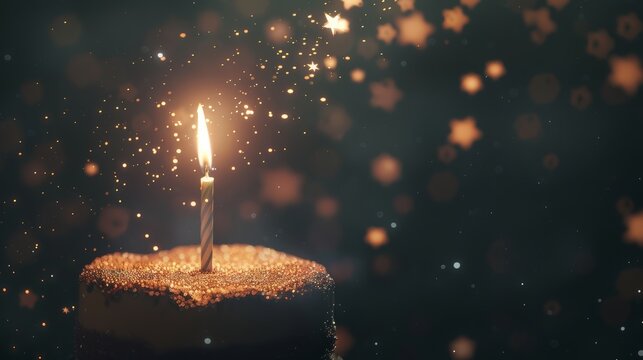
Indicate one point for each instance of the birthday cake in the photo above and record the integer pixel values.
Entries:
(257, 303)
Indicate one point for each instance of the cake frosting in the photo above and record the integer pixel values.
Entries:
(255, 300)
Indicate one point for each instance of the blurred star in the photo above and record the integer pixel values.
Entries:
(413, 30)
(470, 3)
(454, 19)
(599, 44)
(543, 88)
(91, 169)
(209, 22)
(312, 66)
(558, 4)
(624, 205)
(634, 225)
(403, 204)
(249, 210)
(443, 186)
(462, 348)
(31, 92)
(540, 20)
(386, 169)
(629, 283)
(113, 221)
(464, 132)
(330, 62)
(628, 26)
(528, 126)
(326, 207)
(552, 308)
(406, 5)
(386, 33)
(336, 24)
(382, 264)
(27, 299)
(278, 31)
(495, 69)
(344, 341)
(446, 153)
(626, 73)
(471, 83)
(551, 161)
(385, 95)
(281, 187)
(334, 122)
(581, 97)
(376, 237)
(348, 4)
(358, 75)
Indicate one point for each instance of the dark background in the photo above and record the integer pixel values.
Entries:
(544, 269)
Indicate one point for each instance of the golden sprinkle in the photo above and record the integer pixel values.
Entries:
(238, 271)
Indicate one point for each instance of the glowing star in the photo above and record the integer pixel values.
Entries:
(312, 66)
(386, 169)
(348, 4)
(336, 24)
(454, 19)
(627, 73)
(386, 33)
(495, 69)
(358, 75)
(634, 232)
(470, 3)
(281, 187)
(376, 236)
(406, 5)
(385, 95)
(330, 62)
(464, 132)
(471, 83)
(413, 30)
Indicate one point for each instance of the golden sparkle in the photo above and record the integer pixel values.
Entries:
(239, 271)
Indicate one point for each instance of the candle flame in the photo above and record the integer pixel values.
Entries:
(203, 139)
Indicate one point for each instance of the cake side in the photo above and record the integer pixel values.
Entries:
(254, 298)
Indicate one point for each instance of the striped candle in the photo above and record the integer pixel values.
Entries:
(207, 191)
(207, 219)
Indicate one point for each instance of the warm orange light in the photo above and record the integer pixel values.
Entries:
(203, 139)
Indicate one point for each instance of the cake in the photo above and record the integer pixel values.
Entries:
(257, 303)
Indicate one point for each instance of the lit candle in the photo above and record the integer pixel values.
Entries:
(207, 191)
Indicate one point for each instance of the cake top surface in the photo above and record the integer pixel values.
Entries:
(238, 271)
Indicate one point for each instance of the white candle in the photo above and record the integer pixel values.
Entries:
(207, 192)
